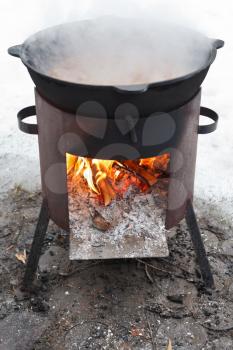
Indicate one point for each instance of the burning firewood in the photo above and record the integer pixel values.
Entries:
(71, 163)
(106, 190)
(150, 177)
(133, 172)
(107, 178)
(103, 184)
(161, 162)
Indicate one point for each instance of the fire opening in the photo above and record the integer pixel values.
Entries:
(109, 179)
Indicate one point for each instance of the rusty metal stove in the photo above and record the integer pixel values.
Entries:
(113, 123)
(59, 133)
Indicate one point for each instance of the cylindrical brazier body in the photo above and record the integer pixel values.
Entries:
(126, 136)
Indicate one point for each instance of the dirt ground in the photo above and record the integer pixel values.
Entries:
(127, 304)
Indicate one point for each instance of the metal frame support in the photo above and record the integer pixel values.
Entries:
(199, 247)
(36, 247)
(42, 226)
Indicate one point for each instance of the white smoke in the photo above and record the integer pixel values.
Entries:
(60, 11)
(130, 42)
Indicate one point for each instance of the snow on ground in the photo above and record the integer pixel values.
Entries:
(19, 162)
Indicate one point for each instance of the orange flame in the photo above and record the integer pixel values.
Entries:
(102, 176)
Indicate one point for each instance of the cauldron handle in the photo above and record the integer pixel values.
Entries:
(15, 50)
(218, 44)
(27, 112)
(207, 129)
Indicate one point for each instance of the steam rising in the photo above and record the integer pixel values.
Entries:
(117, 51)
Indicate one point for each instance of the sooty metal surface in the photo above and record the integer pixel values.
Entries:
(61, 132)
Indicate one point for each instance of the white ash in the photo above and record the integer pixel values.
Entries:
(136, 224)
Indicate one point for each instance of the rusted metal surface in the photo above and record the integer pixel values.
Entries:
(59, 132)
(183, 163)
(50, 128)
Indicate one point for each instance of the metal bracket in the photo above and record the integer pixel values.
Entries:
(41, 230)
(207, 129)
(15, 51)
(36, 247)
(27, 112)
(199, 247)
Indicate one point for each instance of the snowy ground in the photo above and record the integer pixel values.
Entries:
(19, 152)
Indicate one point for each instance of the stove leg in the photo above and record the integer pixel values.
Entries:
(199, 247)
(36, 247)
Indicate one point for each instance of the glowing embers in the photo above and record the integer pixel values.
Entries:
(109, 179)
